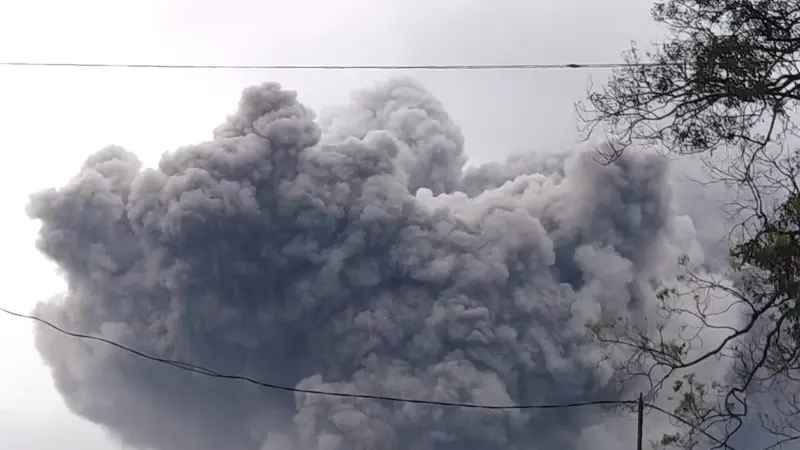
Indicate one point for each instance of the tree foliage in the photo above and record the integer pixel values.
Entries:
(726, 67)
(724, 86)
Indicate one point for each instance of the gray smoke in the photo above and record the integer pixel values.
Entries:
(353, 254)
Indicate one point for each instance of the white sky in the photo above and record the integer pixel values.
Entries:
(52, 118)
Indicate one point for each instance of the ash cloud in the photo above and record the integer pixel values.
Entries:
(351, 253)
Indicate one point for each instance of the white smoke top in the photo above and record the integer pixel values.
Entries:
(355, 254)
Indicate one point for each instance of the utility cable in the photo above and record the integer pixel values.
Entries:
(423, 67)
(211, 373)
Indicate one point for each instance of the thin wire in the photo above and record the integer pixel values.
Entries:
(613, 65)
(211, 373)
(332, 67)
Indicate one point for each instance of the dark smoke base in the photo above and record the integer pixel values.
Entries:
(352, 254)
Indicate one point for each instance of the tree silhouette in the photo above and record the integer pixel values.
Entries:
(723, 87)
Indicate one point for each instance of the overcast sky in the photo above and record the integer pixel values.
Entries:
(52, 118)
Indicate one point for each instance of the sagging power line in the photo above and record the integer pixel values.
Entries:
(214, 374)
(639, 403)
(423, 67)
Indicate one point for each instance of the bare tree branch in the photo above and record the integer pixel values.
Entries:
(724, 88)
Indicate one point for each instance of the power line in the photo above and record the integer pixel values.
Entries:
(331, 67)
(341, 67)
(211, 373)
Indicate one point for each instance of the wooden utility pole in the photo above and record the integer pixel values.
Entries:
(640, 424)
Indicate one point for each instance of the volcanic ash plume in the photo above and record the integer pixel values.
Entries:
(353, 254)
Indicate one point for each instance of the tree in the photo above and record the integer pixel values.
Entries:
(722, 87)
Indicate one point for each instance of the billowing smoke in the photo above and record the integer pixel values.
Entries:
(354, 254)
